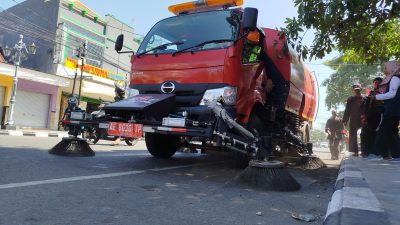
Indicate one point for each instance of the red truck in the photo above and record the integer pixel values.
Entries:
(209, 78)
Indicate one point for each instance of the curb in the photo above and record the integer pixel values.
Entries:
(353, 202)
(18, 133)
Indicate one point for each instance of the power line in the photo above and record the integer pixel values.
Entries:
(43, 33)
(76, 43)
(51, 33)
(58, 6)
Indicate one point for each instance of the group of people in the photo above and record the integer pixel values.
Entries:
(378, 116)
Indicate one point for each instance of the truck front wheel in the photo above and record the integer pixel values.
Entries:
(161, 146)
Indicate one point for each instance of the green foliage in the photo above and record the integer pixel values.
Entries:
(317, 135)
(367, 31)
(339, 85)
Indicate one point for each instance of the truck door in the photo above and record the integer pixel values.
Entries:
(249, 90)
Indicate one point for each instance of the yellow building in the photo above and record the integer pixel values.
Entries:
(5, 94)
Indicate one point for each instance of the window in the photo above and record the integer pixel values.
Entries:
(193, 29)
(251, 52)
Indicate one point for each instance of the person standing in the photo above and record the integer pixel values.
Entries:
(334, 129)
(119, 96)
(353, 113)
(388, 133)
(371, 117)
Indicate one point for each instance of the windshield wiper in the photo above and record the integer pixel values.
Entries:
(160, 47)
(202, 44)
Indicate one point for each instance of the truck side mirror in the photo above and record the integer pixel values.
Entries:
(119, 43)
(250, 17)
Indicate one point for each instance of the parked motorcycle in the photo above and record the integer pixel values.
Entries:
(100, 132)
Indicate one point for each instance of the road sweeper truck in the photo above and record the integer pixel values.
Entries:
(209, 78)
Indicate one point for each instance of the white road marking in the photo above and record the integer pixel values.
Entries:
(121, 154)
(347, 173)
(361, 198)
(348, 166)
(61, 135)
(99, 176)
(15, 133)
(353, 198)
(335, 204)
(41, 134)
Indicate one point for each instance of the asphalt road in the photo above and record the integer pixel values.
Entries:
(125, 185)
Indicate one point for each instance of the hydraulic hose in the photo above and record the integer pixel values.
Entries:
(220, 112)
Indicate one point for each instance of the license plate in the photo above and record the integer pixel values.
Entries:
(103, 125)
(125, 129)
(174, 122)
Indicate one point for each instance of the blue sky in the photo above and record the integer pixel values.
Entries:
(142, 15)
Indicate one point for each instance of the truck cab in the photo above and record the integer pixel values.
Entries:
(210, 64)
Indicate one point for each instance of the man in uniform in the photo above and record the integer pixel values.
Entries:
(334, 129)
(353, 113)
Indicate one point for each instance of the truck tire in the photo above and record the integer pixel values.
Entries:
(255, 127)
(162, 146)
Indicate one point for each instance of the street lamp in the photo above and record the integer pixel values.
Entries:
(20, 50)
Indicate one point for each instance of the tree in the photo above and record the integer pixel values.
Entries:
(339, 84)
(317, 135)
(366, 31)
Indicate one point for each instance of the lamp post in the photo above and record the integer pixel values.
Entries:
(81, 55)
(20, 50)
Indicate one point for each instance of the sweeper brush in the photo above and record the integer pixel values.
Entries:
(72, 147)
(310, 163)
(268, 175)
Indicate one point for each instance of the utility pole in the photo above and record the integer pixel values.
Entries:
(81, 56)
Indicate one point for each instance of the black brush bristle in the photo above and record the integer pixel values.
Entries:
(268, 178)
(311, 163)
(72, 147)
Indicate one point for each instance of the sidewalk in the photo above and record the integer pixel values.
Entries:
(34, 133)
(366, 192)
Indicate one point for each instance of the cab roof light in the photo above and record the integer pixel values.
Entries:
(201, 5)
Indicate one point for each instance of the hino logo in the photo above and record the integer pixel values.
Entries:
(167, 87)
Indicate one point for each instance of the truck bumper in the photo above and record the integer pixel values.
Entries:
(180, 131)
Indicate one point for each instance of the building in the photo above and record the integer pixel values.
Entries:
(2, 56)
(2, 89)
(59, 28)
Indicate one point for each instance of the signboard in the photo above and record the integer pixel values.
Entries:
(71, 63)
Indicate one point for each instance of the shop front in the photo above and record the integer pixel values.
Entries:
(37, 97)
(97, 85)
(35, 103)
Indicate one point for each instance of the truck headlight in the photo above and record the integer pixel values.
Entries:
(132, 92)
(226, 94)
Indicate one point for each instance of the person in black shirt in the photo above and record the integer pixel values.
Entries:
(371, 117)
(334, 129)
(353, 113)
(388, 132)
(119, 96)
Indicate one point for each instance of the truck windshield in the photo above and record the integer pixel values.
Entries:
(191, 30)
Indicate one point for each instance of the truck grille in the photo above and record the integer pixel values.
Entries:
(186, 95)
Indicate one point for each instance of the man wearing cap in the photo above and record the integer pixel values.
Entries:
(371, 117)
(334, 129)
(353, 113)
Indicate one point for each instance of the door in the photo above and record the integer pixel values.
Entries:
(2, 92)
(31, 109)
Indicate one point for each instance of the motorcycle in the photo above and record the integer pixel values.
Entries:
(100, 132)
